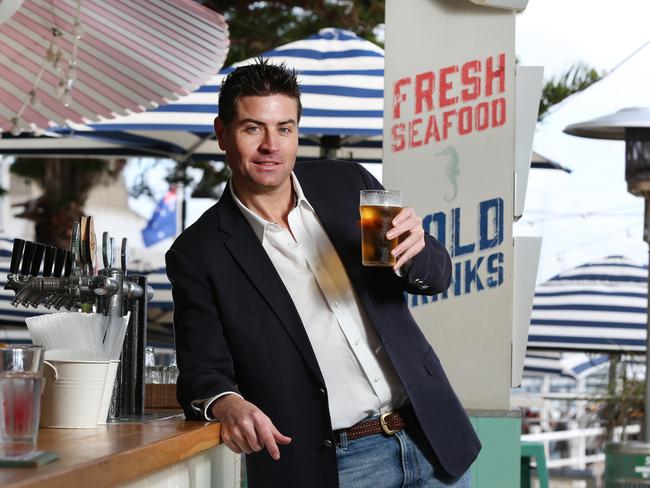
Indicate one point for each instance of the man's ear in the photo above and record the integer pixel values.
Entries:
(219, 130)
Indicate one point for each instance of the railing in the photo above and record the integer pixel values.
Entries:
(577, 439)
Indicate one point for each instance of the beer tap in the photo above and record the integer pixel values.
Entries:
(70, 279)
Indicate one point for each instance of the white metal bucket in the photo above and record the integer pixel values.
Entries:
(73, 393)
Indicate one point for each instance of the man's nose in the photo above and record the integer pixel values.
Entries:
(269, 143)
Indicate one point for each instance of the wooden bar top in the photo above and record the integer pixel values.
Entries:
(113, 453)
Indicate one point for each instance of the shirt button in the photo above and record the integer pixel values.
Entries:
(337, 304)
(328, 443)
(357, 342)
(376, 379)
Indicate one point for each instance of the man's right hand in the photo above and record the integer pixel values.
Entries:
(245, 428)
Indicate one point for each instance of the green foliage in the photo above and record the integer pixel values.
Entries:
(625, 402)
(626, 407)
(256, 27)
(575, 79)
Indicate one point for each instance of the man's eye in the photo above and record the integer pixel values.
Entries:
(285, 130)
(253, 129)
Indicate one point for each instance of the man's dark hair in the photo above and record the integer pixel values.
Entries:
(258, 79)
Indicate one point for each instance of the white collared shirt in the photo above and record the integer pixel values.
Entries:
(359, 377)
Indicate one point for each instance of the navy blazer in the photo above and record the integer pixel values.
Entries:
(236, 328)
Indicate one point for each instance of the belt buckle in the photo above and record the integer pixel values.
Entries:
(384, 426)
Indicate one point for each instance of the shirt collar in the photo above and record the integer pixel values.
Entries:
(258, 223)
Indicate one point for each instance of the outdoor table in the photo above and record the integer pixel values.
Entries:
(152, 452)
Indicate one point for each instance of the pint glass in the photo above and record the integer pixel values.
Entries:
(378, 208)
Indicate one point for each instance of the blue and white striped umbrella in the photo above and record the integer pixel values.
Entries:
(342, 83)
(599, 306)
(568, 365)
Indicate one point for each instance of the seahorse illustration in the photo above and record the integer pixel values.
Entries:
(452, 169)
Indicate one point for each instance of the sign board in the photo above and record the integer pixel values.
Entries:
(449, 146)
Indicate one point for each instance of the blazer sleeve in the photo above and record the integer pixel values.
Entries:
(204, 359)
(428, 272)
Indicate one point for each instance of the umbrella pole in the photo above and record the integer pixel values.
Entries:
(646, 405)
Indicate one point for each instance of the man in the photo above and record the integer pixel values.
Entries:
(311, 362)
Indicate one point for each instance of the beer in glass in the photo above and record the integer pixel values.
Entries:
(378, 208)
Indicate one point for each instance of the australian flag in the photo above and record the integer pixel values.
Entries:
(163, 221)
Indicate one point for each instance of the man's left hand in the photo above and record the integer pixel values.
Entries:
(407, 226)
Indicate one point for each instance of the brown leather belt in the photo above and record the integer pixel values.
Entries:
(389, 423)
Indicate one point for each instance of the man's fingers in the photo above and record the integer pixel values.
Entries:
(269, 443)
(233, 447)
(271, 437)
(250, 434)
(406, 221)
(406, 244)
(407, 255)
(280, 438)
(234, 440)
(405, 214)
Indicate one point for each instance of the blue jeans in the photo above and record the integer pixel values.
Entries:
(403, 460)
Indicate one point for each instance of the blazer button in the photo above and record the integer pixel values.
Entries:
(328, 443)
(321, 392)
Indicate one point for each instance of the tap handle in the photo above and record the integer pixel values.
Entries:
(83, 239)
(16, 255)
(111, 253)
(28, 254)
(124, 255)
(91, 245)
(37, 259)
(59, 262)
(69, 258)
(105, 251)
(73, 257)
(75, 242)
(48, 262)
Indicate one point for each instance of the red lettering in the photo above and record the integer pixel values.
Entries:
(399, 142)
(424, 85)
(432, 130)
(398, 96)
(445, 86)
(482, 117)
(473, 82)
(498, 112)
(498, 74)
(446, 122)
(465, 121)
(413, 132)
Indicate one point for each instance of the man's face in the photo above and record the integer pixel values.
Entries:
(261, 143)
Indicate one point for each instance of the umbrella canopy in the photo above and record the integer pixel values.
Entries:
(68, 60)
(599, 306)
(571, 365)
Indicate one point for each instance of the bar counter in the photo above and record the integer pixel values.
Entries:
(115, 454)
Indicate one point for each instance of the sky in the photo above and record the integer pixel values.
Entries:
(587, 214)
(557, 33)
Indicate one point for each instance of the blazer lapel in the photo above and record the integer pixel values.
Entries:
(247, 250)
